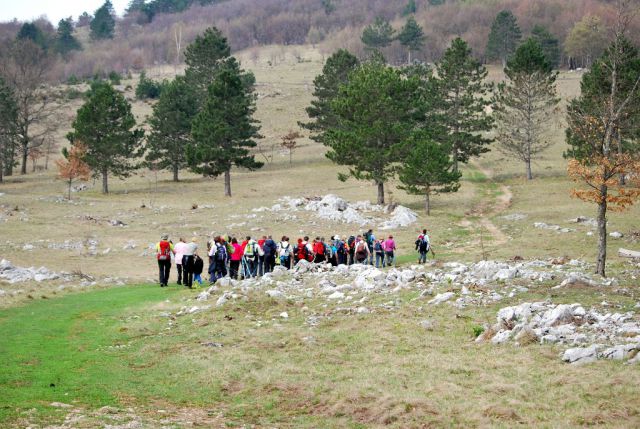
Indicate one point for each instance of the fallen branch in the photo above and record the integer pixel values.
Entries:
(625, 253)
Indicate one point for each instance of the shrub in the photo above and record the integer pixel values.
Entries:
(115, 78)
(148, 88)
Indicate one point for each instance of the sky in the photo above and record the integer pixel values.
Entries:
(55, 10)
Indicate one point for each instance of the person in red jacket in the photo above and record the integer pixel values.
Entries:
(236, 257)
(164, 249)
(319, 251)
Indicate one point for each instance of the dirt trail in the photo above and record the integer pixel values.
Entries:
(488, 208)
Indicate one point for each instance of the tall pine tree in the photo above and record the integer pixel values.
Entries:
(504, 37)
(378, 35)
(463, 102)
(428, 169)
(549, 43)
(204, 57)
(171, 121)
(103, 23)
(224, 130)
(376, 111)
(335, 72)
(524, 104)
(411, 37)
(65, 41)
(105, 125)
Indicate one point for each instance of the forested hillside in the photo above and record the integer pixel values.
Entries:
(155, 32)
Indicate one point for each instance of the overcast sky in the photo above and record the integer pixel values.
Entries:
(55, 10)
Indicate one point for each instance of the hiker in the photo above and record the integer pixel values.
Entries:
(261, 255)
(390, 250)
(179, 252)
(332, 257)
(308, 249)
(250, 258)
(379, 251)
(351, 241)
(285, 249)
(220, 259)
(319, 251)
(236, 257)
(422, 246)
(187, 262)
(270, 249)
(369, 238)
(164, 249)
(341, 250)
(361, 250)
(198, 265)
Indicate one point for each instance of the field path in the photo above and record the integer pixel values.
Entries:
(487, 208)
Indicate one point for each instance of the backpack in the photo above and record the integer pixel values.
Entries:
(285, 250)
(221, 253)
(340, 247)
(319, 248)
(250, 250)
(165, 251)
(378, 247)
(361, 249)
(368, 237)
(350, 242)
(230, 249)
(198, 264)
(328, 251)
(424, 245)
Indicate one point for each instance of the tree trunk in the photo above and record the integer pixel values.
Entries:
(290, 157)
(426, 204)
(380, 192)
(25, 156)
(227, 183)
(175, 173)
(529, 174)
(105, 183)
(69, 191)
(1, 167)
(455, 159)
(409, 57)
(602, 232)
(621, 179)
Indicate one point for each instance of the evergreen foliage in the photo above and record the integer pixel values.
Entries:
(8, 119)
(30, 31)
(65, 41)
(549, 43)
(335, 72)
(148, 88)
(462, 99)
(224, 129)
(411, 36)
(428, 169)
(103, 23)
(105, 125)
(378, 35)
(204, 57)
(410, 8)
(376, 111)
(171, 127)
(504, 37)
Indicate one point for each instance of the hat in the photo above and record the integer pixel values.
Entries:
(337, 237)
(164, 237)
(194, 239)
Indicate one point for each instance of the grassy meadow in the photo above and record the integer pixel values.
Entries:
(114, 346)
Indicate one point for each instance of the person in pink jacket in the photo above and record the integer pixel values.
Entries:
(390, 250)
(179, 248)
(236, 257)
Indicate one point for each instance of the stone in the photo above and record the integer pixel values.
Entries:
(581, 355)
(427, 325)
(620, 352)
(336, 295)
(284, 315)
(441, 297)
(274, 293)
(561, 314)
(616, 234)
(501, 337)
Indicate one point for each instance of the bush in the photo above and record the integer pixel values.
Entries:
(148, 88)
(73, 80)
(115, 78)
(477, 330)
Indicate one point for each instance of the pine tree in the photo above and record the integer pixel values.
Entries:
(410, 8)
(504, 37)
(549, 44)
(335, 72)
(378, 35)
(204, 57)
(224, 130)
(170, 123)
(411, 37)
(463, 102)
(8, 119)
(30, 31)
(105, 125)
(428, 169)
(524, 105)
(375, 112)
(103, 23)
(65, 41)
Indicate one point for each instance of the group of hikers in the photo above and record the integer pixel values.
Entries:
(253, 258)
